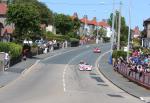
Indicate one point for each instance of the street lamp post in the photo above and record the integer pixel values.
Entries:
(113, 23)
(112, 38)
(119, 26)
(129, 31)
(97, 40)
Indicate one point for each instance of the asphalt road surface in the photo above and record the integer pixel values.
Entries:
(57, 79)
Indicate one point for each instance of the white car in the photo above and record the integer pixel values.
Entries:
(84, 66)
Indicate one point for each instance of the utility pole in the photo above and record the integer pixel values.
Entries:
(113, 23)
(97, 32)
(129, 31)
(119, 26)
(112, 36)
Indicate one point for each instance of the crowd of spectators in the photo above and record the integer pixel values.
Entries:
(137, 62)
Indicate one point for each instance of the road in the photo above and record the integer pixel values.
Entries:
(57, 80)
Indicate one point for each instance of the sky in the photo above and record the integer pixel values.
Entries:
(101, 9)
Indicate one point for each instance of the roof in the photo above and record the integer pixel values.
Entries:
(84, 20)
(103, 24)
(147, 20)
(75, 15)
(136, 32)
(93, 22)
(3, 8)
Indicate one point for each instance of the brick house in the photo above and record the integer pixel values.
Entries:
(5, 30)
(146, 39)
(136, 32)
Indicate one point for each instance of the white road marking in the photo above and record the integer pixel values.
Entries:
(64, 72)
(29, 69)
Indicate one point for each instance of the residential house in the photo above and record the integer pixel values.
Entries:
(136, 32)
(5, 30)
(51, 28)
(146, 40)
(89, 26)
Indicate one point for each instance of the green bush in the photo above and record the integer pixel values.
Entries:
(73, 35)
(116, 54)
(74, 42)
(106, 39)
(146, 50)
(136, 42)
(58, 37)
(15, 50)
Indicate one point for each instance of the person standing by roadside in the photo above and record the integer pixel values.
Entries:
(6, 61)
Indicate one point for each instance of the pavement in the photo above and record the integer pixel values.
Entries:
(117, 79)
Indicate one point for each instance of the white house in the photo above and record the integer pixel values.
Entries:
(51, 28)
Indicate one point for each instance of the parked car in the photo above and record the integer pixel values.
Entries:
(41, 43)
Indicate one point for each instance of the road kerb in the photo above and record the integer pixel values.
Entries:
(27, 70)
(108, 79)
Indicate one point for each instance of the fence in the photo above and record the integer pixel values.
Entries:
(142, 79)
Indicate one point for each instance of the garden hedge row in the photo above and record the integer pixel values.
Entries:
(13, 49)
(116, 54)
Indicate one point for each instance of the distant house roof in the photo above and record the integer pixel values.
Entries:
(103, 24)
(3, 8)
(84, 20)
(136, 32)
(93, 22)
(75, 15)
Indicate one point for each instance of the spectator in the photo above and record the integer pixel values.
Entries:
(6, 60)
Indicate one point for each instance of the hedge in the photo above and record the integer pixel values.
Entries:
(106, 39)
(57, 37)
(116, 54)
(74, 42)
(13, 49)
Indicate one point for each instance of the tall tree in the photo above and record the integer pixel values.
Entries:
(102, 32)
(24, 1)
(76, 25)
(25, 17)
(124, 28)
(63, 23)
(46, 15)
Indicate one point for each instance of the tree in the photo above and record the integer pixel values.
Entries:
(76, 25)
(63, 23)
(24, 1)
(25, 17)
(102, 32)
(124, 28)
(46, 15)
